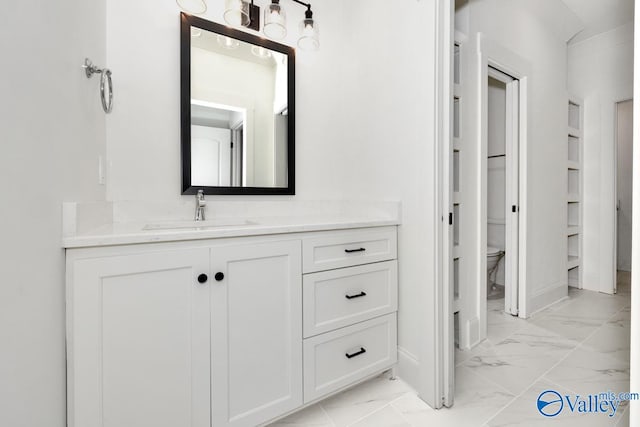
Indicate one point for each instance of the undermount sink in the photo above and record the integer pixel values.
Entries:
(198, 225)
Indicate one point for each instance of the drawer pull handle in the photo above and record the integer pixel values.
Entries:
(357, 353)
(350, 251)
(361, 294)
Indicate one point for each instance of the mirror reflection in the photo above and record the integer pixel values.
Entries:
(239, 114)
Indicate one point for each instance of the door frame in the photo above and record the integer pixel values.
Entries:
(493, 55)
(437, 362)
(511, 198)
(615, 190)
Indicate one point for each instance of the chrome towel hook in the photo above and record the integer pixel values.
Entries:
(106, 84)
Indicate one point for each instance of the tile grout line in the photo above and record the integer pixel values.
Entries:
(580, 343)
(542, 377)
(333, 424)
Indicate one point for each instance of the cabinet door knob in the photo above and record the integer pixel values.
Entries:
(203, 278)
(219, 276)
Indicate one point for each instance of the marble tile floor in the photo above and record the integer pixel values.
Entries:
(578, 346)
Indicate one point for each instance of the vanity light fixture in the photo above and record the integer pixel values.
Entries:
(275, 21)
(243, 13)
(309, 32)
(196, 7)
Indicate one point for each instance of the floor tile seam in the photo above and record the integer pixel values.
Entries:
(544, 374)
(619, 420)
(406, 420)
(557, 384)
(486, 379)
(583, 343)
(521, 394)
(327, 414)
(362, 418)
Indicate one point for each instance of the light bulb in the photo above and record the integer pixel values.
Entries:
(261, 52)
(275, 21)
(309, 35)
(227, 42)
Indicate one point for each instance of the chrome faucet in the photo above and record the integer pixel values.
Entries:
(200, 205)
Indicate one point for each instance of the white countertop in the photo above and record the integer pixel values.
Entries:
(134, 232)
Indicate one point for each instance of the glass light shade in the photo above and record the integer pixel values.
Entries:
(227, 42)
(260, 52)
(196, 7)
(236, 13)
(196, 32)
(309, 35)
(275, 22)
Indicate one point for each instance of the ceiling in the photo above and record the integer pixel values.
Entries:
(599, 16)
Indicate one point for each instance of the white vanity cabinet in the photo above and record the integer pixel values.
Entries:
(157, 337)
(349, 308)
(229, 331)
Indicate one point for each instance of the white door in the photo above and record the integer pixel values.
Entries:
(139, 340)
(512, 199)
(256, 332)
(624, 175)
(210, 156)
(511, 185)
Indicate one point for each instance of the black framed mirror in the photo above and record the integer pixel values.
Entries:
(237, 111)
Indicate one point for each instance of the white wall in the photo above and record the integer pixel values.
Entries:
(52, 130)
(364, 125)
(531, 31)
(624, 137)
(600, 71)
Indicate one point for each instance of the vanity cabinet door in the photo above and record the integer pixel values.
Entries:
(138, 339)
(256, 332)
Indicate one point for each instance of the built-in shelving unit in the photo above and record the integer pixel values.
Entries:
(574, 192)
(457, 91)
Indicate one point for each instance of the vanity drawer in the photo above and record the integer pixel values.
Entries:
(348, 248)
(337, 359)
(337, 298)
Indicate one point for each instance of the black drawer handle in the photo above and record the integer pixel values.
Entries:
(203, 278)
(219, 276)
(361, 294)
(350, 251)
(357, 353)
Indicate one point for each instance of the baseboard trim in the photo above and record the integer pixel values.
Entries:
(547, 296)
(408, 367)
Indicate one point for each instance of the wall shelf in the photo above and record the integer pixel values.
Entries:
(573, 230)
(575, 126)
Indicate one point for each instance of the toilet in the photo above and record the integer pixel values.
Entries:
(494, 255)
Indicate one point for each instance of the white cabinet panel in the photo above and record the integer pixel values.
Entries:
(139, 340)
(349, 248)
(339, 358)
(337, 298)
(256, 332)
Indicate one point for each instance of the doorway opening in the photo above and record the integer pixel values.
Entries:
(502, 190)
(624, 199)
